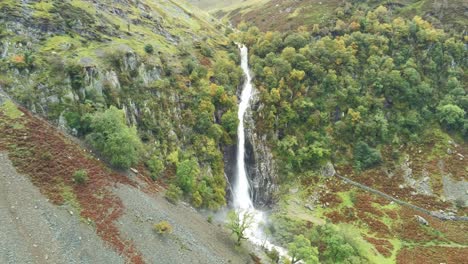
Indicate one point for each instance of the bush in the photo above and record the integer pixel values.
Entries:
(451, 115)
(197, 200)
(149, 49)
(80, 176)
(173, 194)
(187, 172)
(156, 166)
(205, 50)
(365, 157)
(230, 121)
(114, 139)
(163, 227)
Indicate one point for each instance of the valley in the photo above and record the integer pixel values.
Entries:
(165, 131)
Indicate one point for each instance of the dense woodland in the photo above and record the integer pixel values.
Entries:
(343, 95)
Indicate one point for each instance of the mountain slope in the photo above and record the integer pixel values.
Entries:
(289, 15)
(171, 71)
(120, 209)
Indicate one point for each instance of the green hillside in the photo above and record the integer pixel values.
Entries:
(169, 68)
(290, 14)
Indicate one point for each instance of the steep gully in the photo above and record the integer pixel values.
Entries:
(241, 191)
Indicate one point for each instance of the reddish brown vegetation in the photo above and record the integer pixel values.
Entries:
(330, 199)
(50, 159)
(345, 215)
(205, 62)
(427, 255)
(383, 246)
(412, 230)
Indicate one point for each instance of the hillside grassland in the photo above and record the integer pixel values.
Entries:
(289, 14)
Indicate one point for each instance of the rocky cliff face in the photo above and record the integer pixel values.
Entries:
(261, 167)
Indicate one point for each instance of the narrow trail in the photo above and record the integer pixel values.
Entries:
(438, 215)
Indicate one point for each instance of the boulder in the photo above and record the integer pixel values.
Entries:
(328, 170)
(421, 220)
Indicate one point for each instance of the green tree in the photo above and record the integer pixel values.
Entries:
(365, 156)
(229, 121)
(187, 171)
(173, 194)
(238, 223)
(451, 115)
(295, 40)
(336, 247)
(156, 166)
(114, 139)
(301, 249)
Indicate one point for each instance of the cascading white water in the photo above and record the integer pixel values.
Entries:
(241, 190)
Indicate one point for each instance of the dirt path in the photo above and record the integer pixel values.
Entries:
(438, 215)
(32, 230)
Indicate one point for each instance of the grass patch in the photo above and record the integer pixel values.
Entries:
(10, 110)
(70, 198)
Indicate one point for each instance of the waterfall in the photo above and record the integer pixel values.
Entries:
(242, 198)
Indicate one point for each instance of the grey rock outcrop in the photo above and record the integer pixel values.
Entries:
(328, 170)
(260, 164)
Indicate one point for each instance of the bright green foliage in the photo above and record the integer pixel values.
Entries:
(197, 199)
(114, 139)
(156, 166)
(187, 171)
(451, 116)
(230, 122)
(238, 223)
(173, 194)
(301, 249)
(163, 227)
(80, 176)
(10, 110)
(338, 249)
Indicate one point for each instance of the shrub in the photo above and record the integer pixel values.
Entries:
(173, 194)
(451, 115)
(197, 200)
(46, 156)
(114, 139)
(163, 227)
(230, 121)
(156, 166)
(187, 171)
(149, 49)
(365, 157)
(206, 50)
(80, 176)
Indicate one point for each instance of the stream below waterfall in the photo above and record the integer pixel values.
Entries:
(242, 198)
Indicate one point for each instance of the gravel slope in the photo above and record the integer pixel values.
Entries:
(193, 240)
(32, 230)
